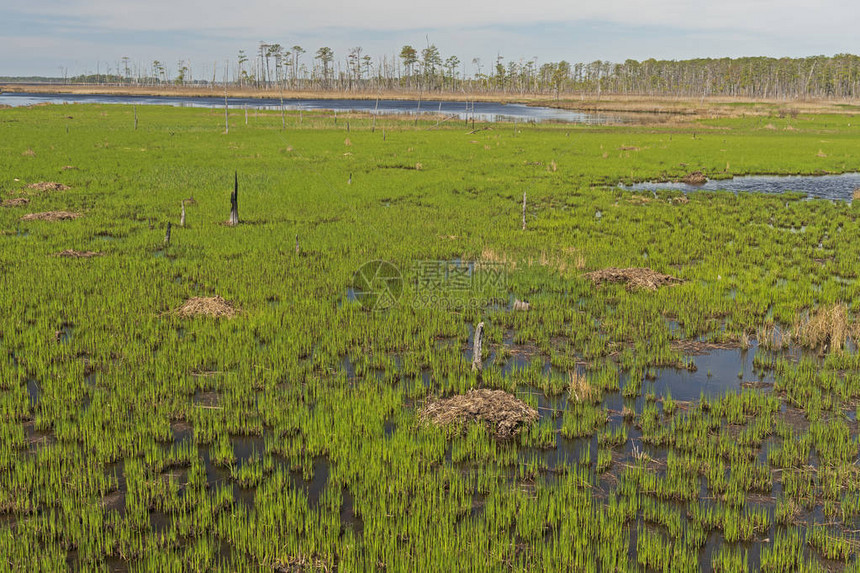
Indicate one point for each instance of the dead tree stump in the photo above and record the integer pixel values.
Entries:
(477, 366)
(234, 202)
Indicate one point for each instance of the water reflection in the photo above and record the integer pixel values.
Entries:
(834, 187)
(479, 111)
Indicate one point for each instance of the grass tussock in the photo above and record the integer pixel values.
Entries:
(497, 258)
(855, 195)
(16, 202)
(44, 186)
(214, 306)
(634, 277)
(51, 216)
(826, 329)
(503, 412)
(578, 387)
(73, 254)
(694, 178)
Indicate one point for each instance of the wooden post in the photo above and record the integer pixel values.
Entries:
(349, 181)
(182, 218)
(524, 210)
(234, 202)
(297, 244)
(477, 366)
(167, 235)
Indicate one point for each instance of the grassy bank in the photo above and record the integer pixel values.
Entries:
(711, 424)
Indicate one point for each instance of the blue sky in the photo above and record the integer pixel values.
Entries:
(46, 36)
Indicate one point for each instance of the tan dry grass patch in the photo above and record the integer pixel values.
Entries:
(634, 277)
(578, 257)
(48, 186)
(51, 216)
(73, 254)
(214, 306)
(16, 202)
(504, 413)
(578, 387)
(694, 178)
(491, 256)
(826, 329)
(698, 347)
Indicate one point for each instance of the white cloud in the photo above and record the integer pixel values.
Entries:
(273, 17)
(80, 33)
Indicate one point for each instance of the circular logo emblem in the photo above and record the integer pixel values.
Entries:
(377, 285)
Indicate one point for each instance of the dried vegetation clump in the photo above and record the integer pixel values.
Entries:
(214, 306)
(73, 254)
(504, 413)
(579, 388)
(48, 186)
(51, 216)
(826, 329)
(634, 277)
(694, 178)
(16, 202)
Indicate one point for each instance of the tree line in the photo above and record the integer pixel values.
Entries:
(276, 66)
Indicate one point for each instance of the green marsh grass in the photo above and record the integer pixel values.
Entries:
(287, 436)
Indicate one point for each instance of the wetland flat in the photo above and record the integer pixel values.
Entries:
(252, 397)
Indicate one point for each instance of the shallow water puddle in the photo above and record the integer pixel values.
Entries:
(833, 187)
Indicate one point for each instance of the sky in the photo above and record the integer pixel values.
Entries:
(57, 37)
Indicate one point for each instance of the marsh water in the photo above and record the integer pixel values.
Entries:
(832, 187)
(477, 110)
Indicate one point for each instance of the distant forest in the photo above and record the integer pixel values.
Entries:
(273, 66)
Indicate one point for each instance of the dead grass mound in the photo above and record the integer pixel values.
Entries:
(214, 306)
(694, 178)
(826, 329)
(51, 216)
(48, 186)
(634, 277)
(699, 347)
(16, 202)
(504, 413)
(73, 254)
(855, 195)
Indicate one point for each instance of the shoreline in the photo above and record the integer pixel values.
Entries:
(680, 107)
